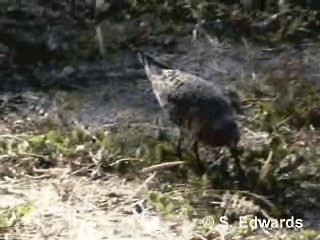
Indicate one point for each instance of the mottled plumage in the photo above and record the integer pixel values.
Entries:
(195, 105)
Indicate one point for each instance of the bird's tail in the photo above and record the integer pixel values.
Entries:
(150, 63)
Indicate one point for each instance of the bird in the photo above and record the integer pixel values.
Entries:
(198, 107)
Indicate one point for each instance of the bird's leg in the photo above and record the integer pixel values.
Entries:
(197, 166)
(179, 144)
(195, 148)
(239, 170)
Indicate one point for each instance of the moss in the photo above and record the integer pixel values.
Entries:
(37, 142)
(9, 218)
(171, 204)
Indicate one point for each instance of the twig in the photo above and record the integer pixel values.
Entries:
(250, 131)
(255, 100)
(31, 155)
(198, 235)
(4, 156)
(94, 159)
(284, 121)
(251, 194)
(266, 167)
(15, 137)
(161, 165)
(82, 170)
(259, 197)
(123, 160)
(265, 214)
(44, 176)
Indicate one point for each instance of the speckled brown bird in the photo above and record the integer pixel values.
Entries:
(198, 107)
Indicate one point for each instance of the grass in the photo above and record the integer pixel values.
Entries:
(279, 157)
(280, 171)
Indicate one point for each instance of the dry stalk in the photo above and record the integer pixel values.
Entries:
(124, 160)
(161, 166)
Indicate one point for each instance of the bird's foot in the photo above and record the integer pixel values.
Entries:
(195, 148)
(178, 150)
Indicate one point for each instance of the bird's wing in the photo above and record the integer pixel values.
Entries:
(182, 85)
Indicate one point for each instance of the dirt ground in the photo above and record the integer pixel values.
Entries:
(72, 207)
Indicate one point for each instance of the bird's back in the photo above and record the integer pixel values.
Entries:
(175, 84)
(191, 102)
